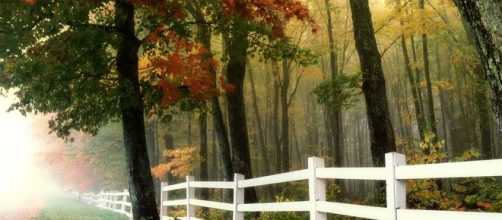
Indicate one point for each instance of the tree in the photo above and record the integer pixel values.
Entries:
(481, 100)
(415, 91)
(374, 89)
(292, 56)
(484, 18)
(261, 138)
(89, 163)
(195, 8)
(242, 16)
(79, 59)
(204, 168)
(430, 100)
(236, 69)
(335, 115)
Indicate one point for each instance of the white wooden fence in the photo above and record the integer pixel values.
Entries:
(395, 174)
(114, 201)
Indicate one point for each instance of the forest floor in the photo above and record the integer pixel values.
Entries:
(63, 208)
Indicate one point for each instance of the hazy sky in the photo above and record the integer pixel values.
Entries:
(23, 179)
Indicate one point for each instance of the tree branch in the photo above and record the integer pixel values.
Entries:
(390, 45)
(294, 90)
(109, 29)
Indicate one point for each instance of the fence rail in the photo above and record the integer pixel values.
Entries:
(118, 202)
(395, 174)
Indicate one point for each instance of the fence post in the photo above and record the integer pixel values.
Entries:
(163, 197)
(110, 201)
(190, 195)
(238, 197)
(124, 200)
(100, 199)
(117, 202)
(396, 189)
(317, 188)
(114, 201)
(128, 195)
(105, 200)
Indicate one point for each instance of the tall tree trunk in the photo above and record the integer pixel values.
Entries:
(381, 133)
(299, 154)
(189, 130)
(261, 138)
(327, 116)
(169, 145)
(409, 127)
(214, 158)
(204, 35)
(275, 115)
(414, 90)
(284, 115)
(484, 18)
(335, 115)
(430, 100)
(153, 153)
(397, 99)
(131, 106)
(236, 72)
(204, 176)
(417, 77)
(150, 142)
(445, 113)
(481, 100)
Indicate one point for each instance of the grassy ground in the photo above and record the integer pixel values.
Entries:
(70, 208)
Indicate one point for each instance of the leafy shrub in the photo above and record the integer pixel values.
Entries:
(467, 194)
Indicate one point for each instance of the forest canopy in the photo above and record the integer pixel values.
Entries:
(150, 91)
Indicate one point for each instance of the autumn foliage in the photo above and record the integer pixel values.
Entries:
(466, 194)
(173, 8)
(181, 162)
(73, 167)
(184, 72)
(270, 12)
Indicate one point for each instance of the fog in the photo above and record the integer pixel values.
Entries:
(25, 182)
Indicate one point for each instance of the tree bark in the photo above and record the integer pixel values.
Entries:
(335, 115)
(153, 152)
(284, 115)
(204, 176)
(417, 77)
(236, 70)
(445, 114)
(204, 35)
(414, 90)
(150, 142)
(275, 113)
(214, 158)
(484, 18)
(481, 100)
(189, 130)
(261, 138)
(374, 89)
(131, 105)
(430, 100)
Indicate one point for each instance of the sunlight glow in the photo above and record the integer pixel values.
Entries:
(23, 181)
